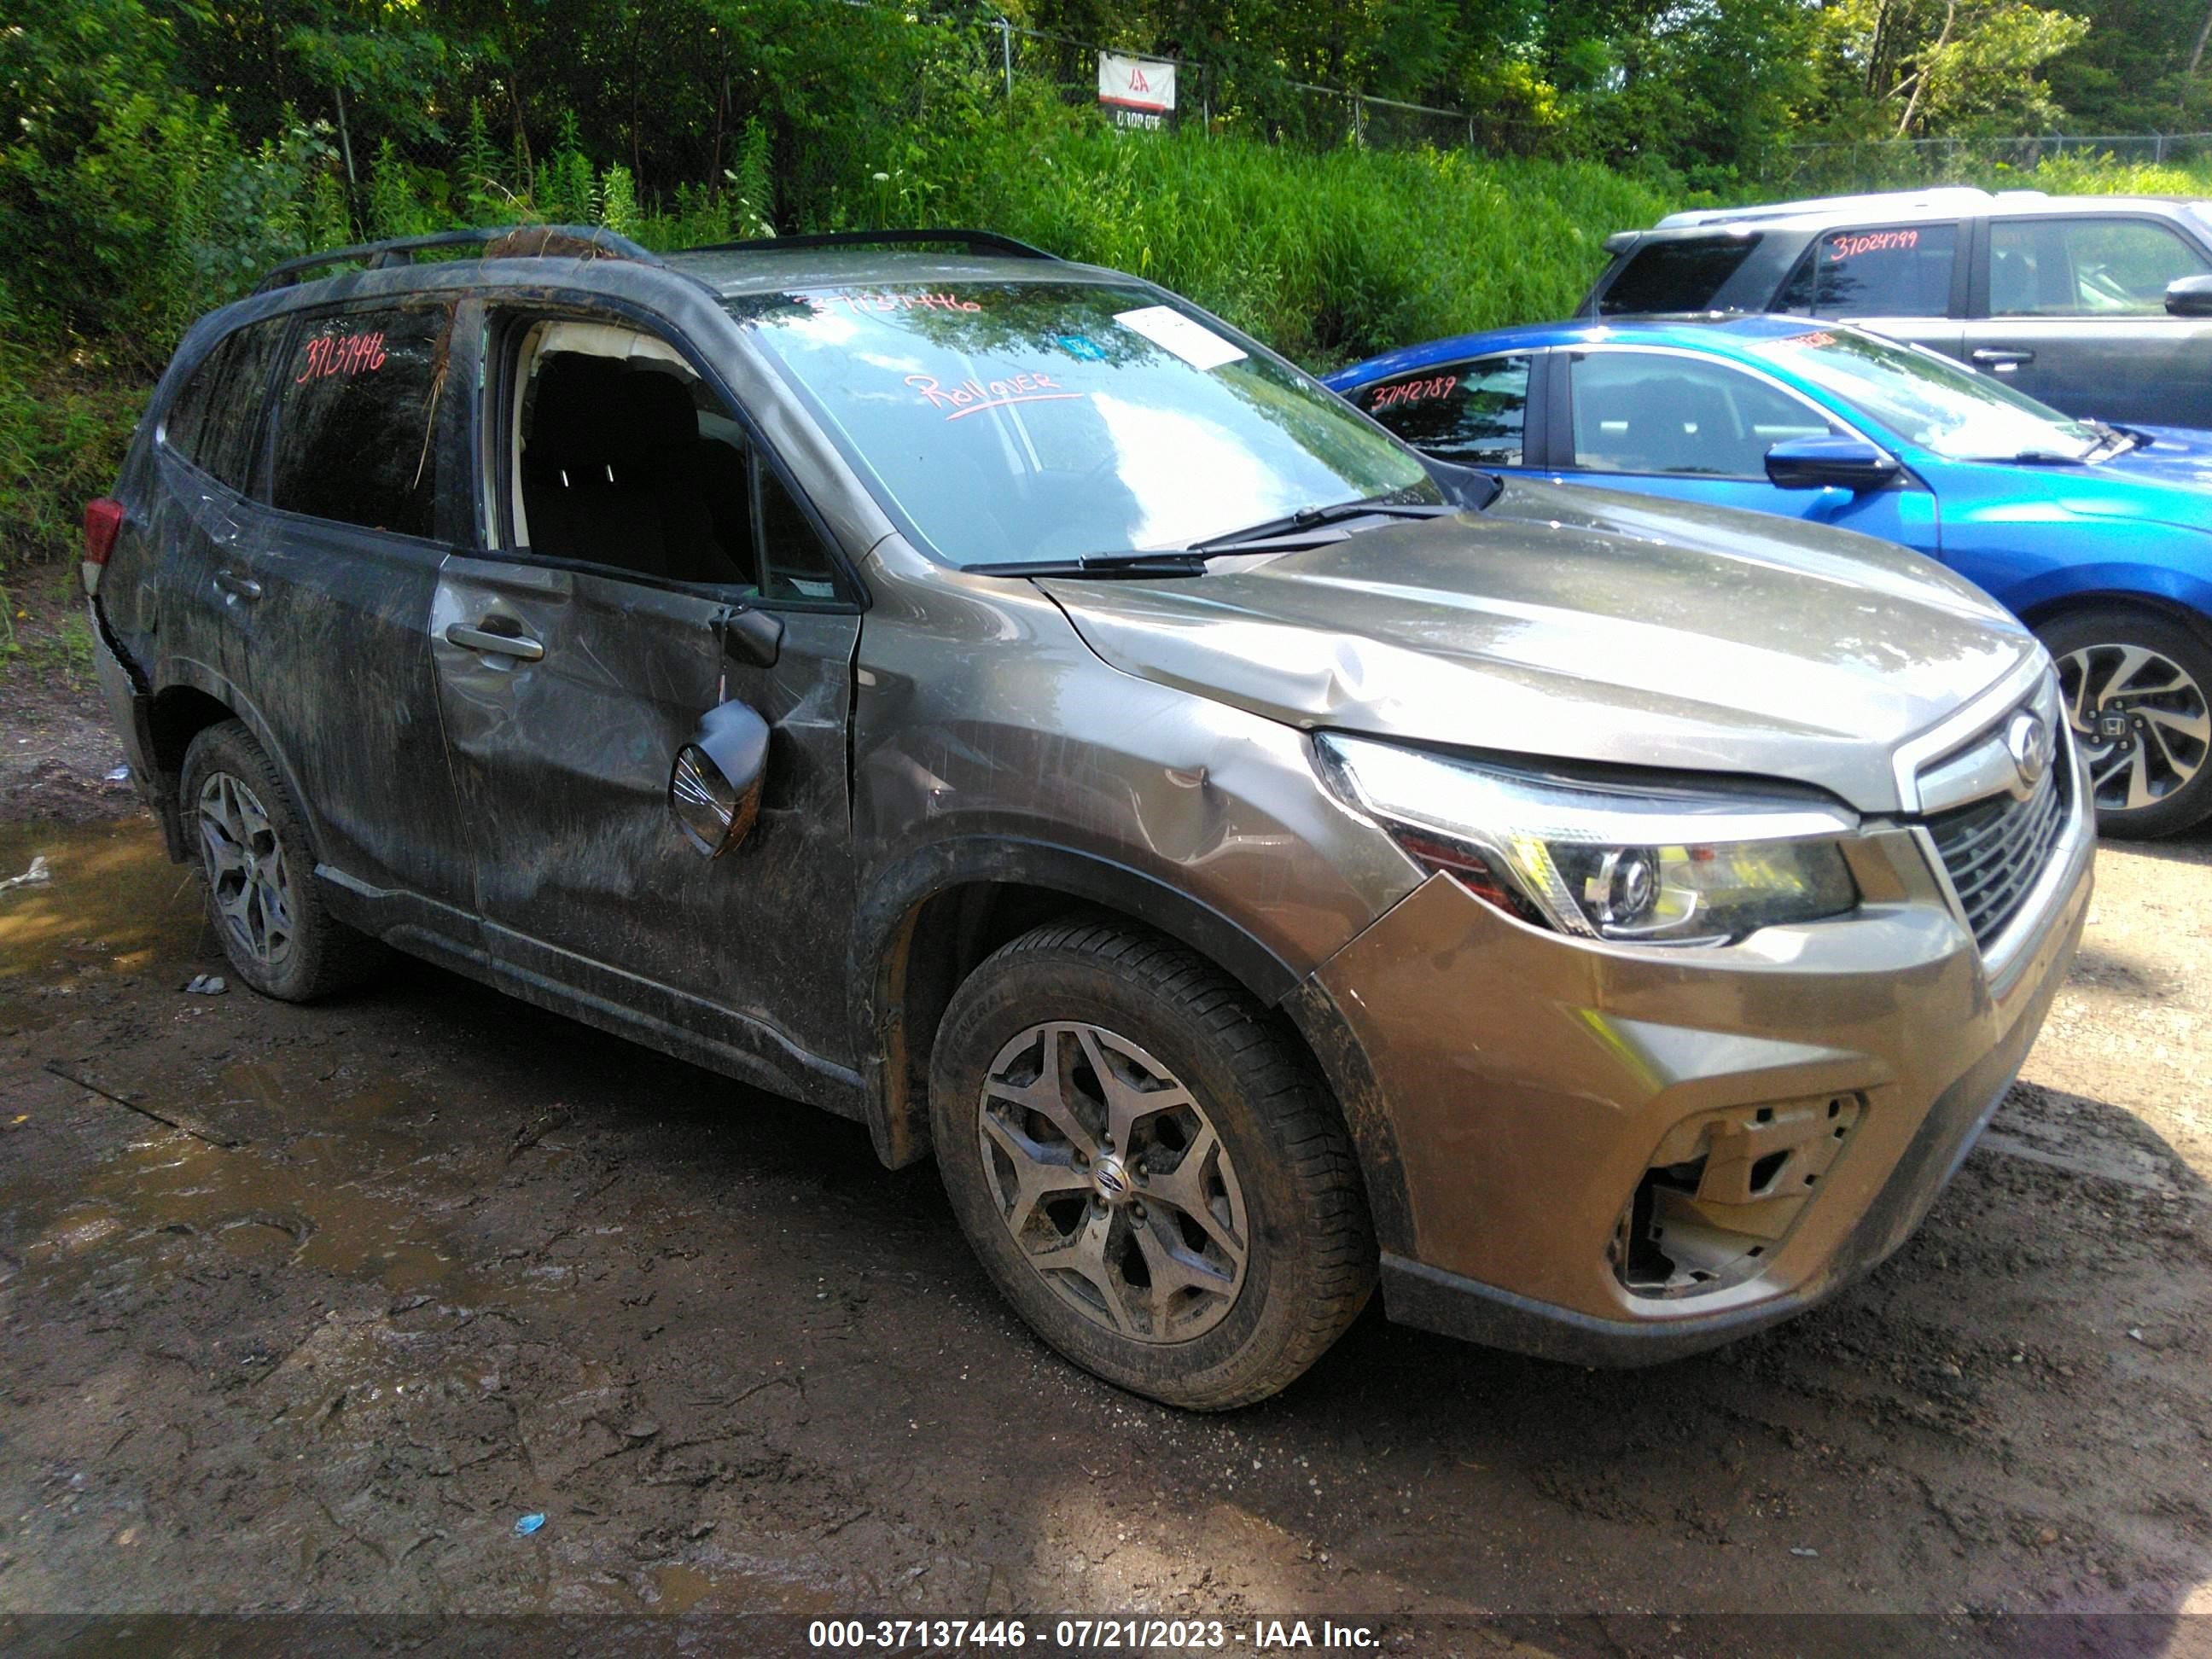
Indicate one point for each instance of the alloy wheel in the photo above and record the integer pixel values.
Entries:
(1112, 1182)
(246, 869)
(2141, 719)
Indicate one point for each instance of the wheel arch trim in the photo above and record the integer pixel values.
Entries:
(881, 960)
(2166, 594)
(189, 674)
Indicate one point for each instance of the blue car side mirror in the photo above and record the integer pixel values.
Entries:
(1851, 464)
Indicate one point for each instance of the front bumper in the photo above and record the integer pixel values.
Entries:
(1527, 1081)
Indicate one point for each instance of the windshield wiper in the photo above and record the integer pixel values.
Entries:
(2114, 439)
(1316, 517)
(2045, 457)
(2111, 441)
(1191, 560)
(1099, 564)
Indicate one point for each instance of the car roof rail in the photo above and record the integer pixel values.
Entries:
(1941, 198)
(975, 241)
(498, 242)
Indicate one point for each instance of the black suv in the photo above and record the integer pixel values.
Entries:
(2100, 305)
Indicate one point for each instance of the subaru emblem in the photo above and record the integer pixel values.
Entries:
(2027, 739)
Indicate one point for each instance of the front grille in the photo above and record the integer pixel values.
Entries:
(1994, 850)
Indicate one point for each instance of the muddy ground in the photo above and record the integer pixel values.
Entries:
(58, 755)
(411, 1265)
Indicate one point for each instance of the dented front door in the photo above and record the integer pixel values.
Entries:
(567, 694)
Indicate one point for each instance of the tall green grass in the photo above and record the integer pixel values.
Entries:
(65, 420)
(1326, 257)
(2074, 175)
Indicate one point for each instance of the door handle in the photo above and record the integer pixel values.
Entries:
(501, 645)
(238, 585)
(1990, 357)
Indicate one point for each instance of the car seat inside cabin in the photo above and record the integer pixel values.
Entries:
(625, 459)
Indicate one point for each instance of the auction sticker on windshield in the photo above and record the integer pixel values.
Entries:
(1192, 341)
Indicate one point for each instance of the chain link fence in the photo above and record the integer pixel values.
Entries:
(1905, 163)
(1281, 110)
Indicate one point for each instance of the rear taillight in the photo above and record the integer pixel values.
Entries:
(103, 522)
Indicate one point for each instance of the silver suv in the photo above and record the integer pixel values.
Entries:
(994, 701)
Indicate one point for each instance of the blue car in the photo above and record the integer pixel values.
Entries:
(2098, 537)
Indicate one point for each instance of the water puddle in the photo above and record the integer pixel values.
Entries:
(112, 903)
(342, 1198)
(351, 1180)
(258, 1142)
(723, 1586)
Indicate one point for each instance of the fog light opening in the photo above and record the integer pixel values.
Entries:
(1722, 1191)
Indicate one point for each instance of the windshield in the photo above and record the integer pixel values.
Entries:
(1020, 422)
(1928, 401)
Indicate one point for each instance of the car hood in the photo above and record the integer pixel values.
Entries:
(1583, 625)
(2173, 456)
(2168, 481)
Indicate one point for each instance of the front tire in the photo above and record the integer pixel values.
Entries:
(258, 867)
(2137, 690)
(1149, 1175)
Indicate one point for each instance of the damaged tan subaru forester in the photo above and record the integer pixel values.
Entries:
(989, 698)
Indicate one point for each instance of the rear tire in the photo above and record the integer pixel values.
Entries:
(2138, 690)
(258, 864)
(1112, 1106)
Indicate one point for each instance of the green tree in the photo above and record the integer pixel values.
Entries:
(1923, 68)
(2141, 68)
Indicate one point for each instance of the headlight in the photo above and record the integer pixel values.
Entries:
(1658, 867)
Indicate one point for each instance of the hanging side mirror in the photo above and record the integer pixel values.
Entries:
(715, 787)
(751, 639)
(1849, 464)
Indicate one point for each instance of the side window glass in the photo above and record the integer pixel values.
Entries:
(623, 457)
(1649, 413)
(2018, 268)
(214, 420)
(2086, 267)
(798, 564)
(1902, 271)
(1797, 295)
(1676, 274)
(1470, 413)
(357, 416)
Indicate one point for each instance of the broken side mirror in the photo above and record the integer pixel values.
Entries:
(715, 787)
(752, 638)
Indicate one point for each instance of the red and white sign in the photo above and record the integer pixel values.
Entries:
(1139, 83)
